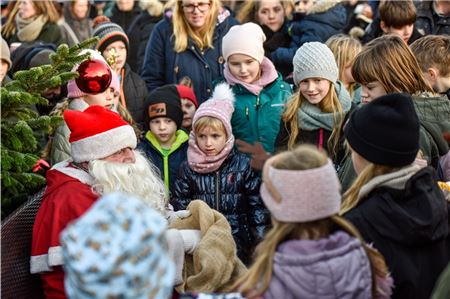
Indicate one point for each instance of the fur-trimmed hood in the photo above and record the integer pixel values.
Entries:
(322, 6)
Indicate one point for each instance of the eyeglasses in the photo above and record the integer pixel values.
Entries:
(202, 7)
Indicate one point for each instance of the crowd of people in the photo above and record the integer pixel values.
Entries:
(243, 149)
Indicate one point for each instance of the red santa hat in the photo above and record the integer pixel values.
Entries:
(97, 132)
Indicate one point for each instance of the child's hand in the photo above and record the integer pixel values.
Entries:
(257, 152)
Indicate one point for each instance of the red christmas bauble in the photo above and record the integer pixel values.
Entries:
(94, 76)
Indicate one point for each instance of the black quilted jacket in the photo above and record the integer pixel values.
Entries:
(232, 190)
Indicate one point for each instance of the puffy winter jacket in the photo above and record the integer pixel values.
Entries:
(232, 190)
(162, 65)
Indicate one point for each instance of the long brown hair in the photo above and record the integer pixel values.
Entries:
(256, 281)
(43, 7)
(182, 30)
(389, 60)
(329, 104)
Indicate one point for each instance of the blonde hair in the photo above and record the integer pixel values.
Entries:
(433, 51)
(256, 281)
(153, 7)
(43, 7)
(329, 104)
(345, 49)
(182, 30)
(388, 60)
(208, 121)
(351, 197)
(249, 10)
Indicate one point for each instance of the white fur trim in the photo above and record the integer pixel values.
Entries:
(45, 262)
(223, 92)
(104, 144)
(73, 172)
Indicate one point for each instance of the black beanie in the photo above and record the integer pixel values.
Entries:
(385, 131)
(164, 101)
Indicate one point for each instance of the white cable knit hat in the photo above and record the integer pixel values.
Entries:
(244, 39)
(314, 60)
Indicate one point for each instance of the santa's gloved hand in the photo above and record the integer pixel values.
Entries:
(191, 238)
(176, 253)
(172, 215)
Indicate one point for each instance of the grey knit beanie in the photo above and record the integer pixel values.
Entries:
(314, 60)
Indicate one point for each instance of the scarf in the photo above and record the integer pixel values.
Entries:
(199, 162)
(310, 117)
(29, 30)
(268, 75)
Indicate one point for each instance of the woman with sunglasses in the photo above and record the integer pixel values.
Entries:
(188, 42)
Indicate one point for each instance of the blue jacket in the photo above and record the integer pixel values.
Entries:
(323, 21)
(167, 163)
(162, 65)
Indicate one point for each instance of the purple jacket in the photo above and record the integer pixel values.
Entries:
(335, 267)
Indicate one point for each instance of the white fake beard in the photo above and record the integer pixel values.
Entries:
(140, 179)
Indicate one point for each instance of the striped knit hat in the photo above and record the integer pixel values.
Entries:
(108, 32)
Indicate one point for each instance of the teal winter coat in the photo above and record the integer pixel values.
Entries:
(257, 118)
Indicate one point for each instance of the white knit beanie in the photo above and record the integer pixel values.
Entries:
(314, 60)
(245, 39)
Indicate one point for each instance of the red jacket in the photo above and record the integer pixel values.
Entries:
(67, 197)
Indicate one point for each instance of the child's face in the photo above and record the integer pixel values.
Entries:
(348, 77)
(164, 129)
(119, 50)
(371, 91)
(271, 14)
(315, 89)
(104, 99)
(303, 6)
(211, 141)
(3, 69)
(404, 32)
(244, 67)
(188, 113)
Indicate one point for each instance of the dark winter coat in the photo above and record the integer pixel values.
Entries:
(138, 35)
(135, 93)
(408, 222)
(50, 33)
(124, 18)
(323, 21)
(429, 22)
(168, 164)
(275, 40)
(374, 30)
(162, 65)
(232, 190)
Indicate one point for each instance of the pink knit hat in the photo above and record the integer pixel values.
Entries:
(244, 39)
(72, 89)
(301, 195)
(220, 106)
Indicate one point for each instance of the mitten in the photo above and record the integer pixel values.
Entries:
(191, 238)
(176, 252)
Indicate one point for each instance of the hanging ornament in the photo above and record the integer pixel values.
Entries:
(94, 76)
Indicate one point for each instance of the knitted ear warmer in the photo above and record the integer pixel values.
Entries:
(301, 195)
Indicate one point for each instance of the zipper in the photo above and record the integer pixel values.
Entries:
(217, 190)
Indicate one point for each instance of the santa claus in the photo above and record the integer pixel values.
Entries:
(103, 160)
